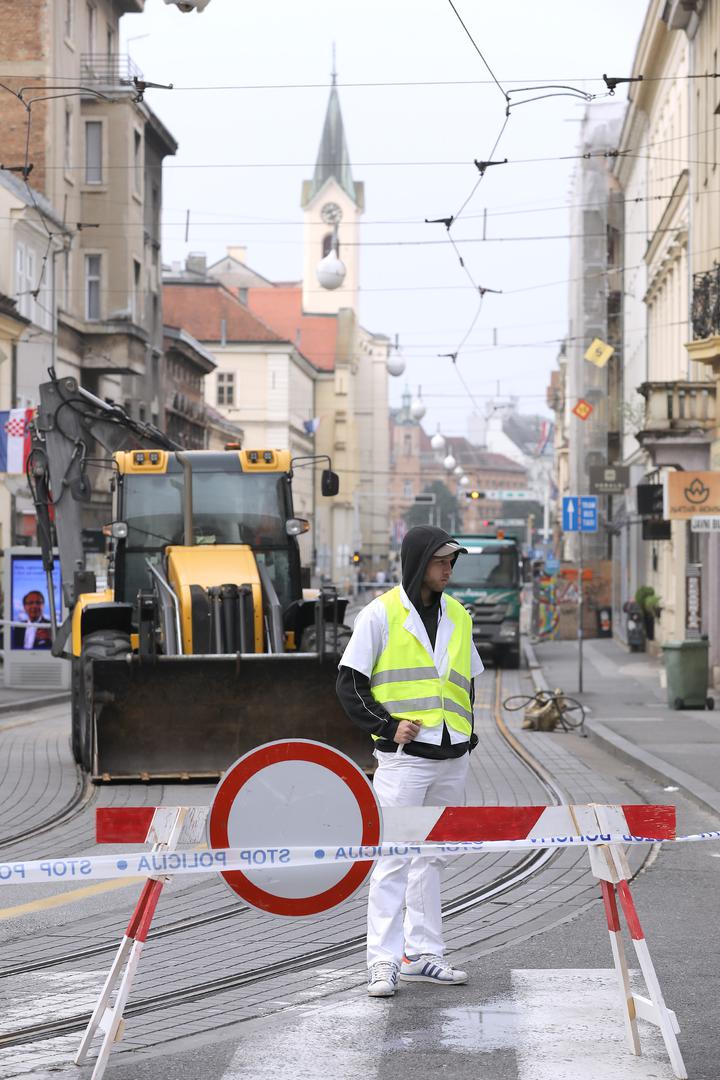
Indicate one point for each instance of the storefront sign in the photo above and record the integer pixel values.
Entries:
(692, 494)
(705, 524)
(608, 479)
(650, 500)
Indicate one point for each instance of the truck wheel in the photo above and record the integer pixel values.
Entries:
(98, 645)
(512, 659)
(308, 641)
(678, 703)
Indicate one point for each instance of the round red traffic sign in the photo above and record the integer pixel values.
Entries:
(295, 793)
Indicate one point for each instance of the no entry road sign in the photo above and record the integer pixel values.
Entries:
(294, 793)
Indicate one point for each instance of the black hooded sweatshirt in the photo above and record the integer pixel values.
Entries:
(353, 688)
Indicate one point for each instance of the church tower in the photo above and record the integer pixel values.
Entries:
(331, 200)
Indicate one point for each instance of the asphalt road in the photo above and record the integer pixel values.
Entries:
(541, 1001)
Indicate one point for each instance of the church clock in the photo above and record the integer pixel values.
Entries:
(331, 213)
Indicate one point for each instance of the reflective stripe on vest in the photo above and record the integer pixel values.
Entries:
(405, 680)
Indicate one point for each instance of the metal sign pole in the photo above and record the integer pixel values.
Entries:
(580, 615)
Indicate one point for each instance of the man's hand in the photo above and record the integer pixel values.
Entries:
(406, 731)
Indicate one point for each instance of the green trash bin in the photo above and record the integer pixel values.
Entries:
(686, 666)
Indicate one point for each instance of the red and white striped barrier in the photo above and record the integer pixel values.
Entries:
(288, 793)
(552, 825)
(604, 829)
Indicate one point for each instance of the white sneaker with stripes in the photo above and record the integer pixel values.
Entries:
(432, 969)
(382, 979)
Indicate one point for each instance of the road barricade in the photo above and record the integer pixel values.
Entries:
(259, 827)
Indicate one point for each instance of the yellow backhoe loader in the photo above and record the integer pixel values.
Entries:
(204, 643)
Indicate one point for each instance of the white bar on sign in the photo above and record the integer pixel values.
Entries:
(704, 524)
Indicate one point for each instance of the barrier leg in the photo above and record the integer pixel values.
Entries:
(621, 969)
(107, 1018)
(655, 1010)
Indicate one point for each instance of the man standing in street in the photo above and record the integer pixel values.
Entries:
(406, 678)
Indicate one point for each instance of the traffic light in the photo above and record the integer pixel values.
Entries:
(474, 494)
(356, 558)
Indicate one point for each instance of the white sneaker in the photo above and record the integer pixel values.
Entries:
(382, 979)
(432, 969)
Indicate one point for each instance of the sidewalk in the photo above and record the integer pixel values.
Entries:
(28, 698)
(629, 715)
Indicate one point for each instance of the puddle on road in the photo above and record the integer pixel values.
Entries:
(479, 1028)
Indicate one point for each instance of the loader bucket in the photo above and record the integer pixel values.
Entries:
(188, 718)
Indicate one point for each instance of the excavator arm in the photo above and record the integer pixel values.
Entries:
(69, 421)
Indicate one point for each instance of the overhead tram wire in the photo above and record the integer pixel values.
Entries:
(534, 83)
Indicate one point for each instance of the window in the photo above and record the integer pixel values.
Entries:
(66, 279)
(69, 18)
(137, 161)
(407, 489)
(328, 243)
(407, 445)
(226, 388)
(25, 279)
(92, 287)
(93, 152)
(67, 139)
(91, 27)
(136, 297)
(109, 42)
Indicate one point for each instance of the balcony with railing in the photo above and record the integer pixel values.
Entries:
(679, 422)
(705, 346)
(677, 408)
(109, 72)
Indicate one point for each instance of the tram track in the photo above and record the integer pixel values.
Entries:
(513, 876)
(80, 799)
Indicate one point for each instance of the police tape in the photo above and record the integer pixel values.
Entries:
(225, 860)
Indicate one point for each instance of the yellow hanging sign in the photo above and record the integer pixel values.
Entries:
(599, 352)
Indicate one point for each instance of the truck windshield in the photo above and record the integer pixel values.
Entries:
(491, 566)
(228, 508)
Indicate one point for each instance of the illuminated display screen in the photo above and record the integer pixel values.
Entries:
(29, 602)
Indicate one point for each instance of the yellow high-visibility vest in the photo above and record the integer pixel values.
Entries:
(405, 680)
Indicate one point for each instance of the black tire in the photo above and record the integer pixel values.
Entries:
(573, 712)
(678, 703)
(511, 660)
(99, 645)
(518, 701)
(710, 703)
(76, 709)
(308, 641)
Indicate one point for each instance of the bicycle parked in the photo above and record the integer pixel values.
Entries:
(545, 709)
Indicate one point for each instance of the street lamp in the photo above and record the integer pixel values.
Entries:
(464, 480)
(438, 440)
(417, 407)
(331, 270)
(449, 463)
(395, 365)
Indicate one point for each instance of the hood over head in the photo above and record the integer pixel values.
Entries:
(419, 545)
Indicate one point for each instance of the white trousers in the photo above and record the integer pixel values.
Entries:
(413, 884)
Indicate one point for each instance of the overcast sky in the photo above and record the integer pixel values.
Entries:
(245, 149)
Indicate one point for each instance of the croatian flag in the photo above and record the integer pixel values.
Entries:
(14, 439)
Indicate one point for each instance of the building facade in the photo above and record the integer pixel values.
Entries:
(94, 158)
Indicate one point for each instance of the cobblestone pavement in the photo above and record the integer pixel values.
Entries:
(54, 958)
